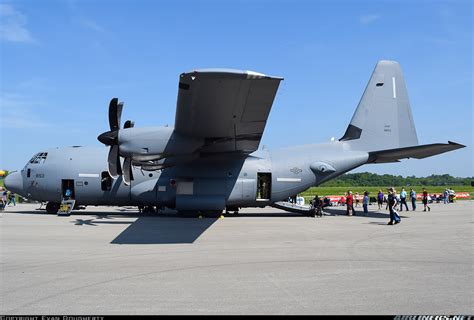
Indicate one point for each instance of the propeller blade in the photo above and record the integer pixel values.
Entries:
(127, 171)
(114, 161)
(128, 124)
(115, 113)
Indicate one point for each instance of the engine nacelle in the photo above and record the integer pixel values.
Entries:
(145, 144)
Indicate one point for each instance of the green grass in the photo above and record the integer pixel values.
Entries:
(334, 191)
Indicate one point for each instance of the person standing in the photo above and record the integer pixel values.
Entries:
(67, 194)
(392, 202)
(403, 199)
(357, 199)
(319, 206)
(11, 198)
(315, 207)
(365, 202)
(413, 199)
(451, 195)
(4, 198)
(353, 200)
(380, 199)
(349, 203)
(446, 196)
(424, 199)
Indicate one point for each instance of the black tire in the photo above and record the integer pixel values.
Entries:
(149, 210)
(211, 213)
(52, 207)
(188, 214)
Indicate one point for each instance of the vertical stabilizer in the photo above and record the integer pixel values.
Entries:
(383, 118)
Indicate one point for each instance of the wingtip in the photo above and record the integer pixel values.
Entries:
(458, 145)
(232, 72)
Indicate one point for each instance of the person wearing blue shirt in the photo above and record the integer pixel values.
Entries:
(403, 199)
(67, 194)
(413, 199)
(365, 202)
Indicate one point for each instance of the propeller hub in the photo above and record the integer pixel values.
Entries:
(109, 138)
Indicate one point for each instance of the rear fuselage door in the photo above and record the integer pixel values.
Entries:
(264, 186)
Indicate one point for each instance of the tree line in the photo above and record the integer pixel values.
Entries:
(368, 179)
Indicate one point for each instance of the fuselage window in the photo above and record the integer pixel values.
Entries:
(106, 181)
(28, 173)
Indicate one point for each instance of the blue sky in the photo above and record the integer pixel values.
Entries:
(62, 61)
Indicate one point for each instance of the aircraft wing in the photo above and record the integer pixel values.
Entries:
(226, 108)
(418, 152)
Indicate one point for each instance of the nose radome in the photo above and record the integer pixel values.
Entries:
(14, 182)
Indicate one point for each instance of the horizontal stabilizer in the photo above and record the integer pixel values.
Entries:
(417, 152)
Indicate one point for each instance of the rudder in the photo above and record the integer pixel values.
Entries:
(383, 118)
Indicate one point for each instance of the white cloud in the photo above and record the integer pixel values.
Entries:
(368, 18)
(13, 25)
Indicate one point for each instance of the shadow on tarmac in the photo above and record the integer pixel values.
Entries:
(153, 228)
(170, 228)
(149, 230)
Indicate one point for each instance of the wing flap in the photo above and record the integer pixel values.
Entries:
(227, 108)
(259, 101)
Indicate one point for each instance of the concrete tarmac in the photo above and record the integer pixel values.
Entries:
(106, 260)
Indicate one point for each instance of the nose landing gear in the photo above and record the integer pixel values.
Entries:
(52, 207)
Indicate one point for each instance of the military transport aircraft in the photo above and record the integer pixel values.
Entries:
(209, 161)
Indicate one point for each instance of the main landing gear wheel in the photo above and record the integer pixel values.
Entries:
(188, 214)
(214, 214)
(52, 207)
(147, 210)
(234, 210)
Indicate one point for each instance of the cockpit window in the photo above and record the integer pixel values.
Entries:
(39, 157)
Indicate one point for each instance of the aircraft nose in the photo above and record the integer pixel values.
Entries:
(14, 182)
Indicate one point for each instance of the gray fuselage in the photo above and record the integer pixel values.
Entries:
(207, 183)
